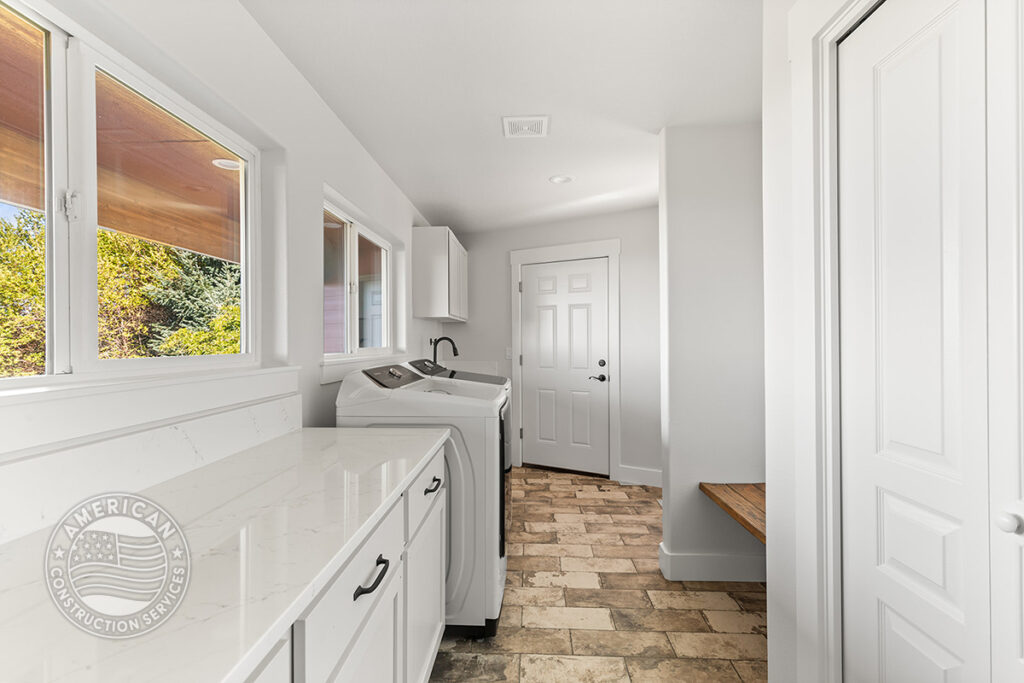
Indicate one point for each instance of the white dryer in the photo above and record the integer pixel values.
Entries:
(476, 472)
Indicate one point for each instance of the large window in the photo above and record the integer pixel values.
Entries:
(123, 216)
(356, 293)
(23, 191)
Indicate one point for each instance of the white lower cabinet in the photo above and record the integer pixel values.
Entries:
(424, 592)
(378, 652)
(380, 620)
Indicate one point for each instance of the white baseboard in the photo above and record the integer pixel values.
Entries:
(628, 474)
(710, 567)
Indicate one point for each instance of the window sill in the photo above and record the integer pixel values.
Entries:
(44, 387)
(335, 369)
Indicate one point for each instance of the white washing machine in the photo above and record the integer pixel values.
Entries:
(474, 407)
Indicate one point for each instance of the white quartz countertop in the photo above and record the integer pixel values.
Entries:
(267, 528)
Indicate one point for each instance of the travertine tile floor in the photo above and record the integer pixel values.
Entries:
(586, 602)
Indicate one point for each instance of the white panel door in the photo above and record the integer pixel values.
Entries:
(1006, 356)
(564, 343)
(912, 250)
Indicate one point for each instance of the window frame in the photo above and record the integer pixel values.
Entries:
(72, 342)
(355, 229)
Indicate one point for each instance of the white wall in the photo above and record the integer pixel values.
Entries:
(216, 56)
(488, 332)
(712, 344)
(778, 349)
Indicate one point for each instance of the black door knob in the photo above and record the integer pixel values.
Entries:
(600, 378)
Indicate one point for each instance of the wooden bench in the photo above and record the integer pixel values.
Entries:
(743, 502)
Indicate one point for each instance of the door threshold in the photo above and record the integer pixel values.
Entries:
(566, 471)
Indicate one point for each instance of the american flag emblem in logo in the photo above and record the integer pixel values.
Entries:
(117, 565)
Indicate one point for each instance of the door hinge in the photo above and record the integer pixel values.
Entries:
(520, 287)
(520, 359)
(520, 432)
(70, 205)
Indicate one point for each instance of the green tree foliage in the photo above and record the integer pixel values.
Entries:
(153, 299)
(128, 268)
(201, 291)
(23, 295)
(220, 335)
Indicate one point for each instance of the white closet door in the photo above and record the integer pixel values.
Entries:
(1006, 153)
(914, 344)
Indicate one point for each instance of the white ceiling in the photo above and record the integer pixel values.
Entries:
(423, 84)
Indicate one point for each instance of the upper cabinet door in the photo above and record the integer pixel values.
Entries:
(440, 272)
(454, 277)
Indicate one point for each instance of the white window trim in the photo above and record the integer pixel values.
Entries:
(72, 337)
(333, 204)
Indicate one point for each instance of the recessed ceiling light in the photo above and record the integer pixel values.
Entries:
(227, 164)
(561, 179)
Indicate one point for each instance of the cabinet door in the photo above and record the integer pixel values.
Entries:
(463, 284)
(378, 653)
(425, 592)
(454, 277)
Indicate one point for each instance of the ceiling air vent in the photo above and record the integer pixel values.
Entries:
(525, 126)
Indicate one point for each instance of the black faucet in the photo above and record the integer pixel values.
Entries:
(436, 342)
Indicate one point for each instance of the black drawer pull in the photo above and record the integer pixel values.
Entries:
(434, 486)
(376, 582)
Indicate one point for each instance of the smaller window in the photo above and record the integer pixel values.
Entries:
(356, 293)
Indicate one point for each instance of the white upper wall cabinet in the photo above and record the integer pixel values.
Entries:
(440, 275)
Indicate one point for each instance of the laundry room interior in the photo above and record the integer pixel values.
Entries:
(457, 340)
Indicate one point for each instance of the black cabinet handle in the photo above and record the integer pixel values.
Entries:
(434, 486)
(376, 582)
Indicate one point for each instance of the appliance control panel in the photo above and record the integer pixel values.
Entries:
(392, 376)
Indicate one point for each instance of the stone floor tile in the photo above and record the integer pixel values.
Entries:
(748, 586)
(648, 539)
(593, 618)
(534, 596)
(646, 565)
(461, 666)
(517, 640)
(511, 616)
(565, 527)
(513, 578)
(628, 551)
(751, 602)
(513, 548)
(691, 600)
(561, 669)
(526, 537)
(564, 579)
(535, 516)
(688, 621)
(622, 529)
(605, 597)
(730, 621)
(534, 564)
(598, 564)
(603, 495)
(593, 518)
(589, 539)
(653, 581)
(719, 645)
(557, 550)
(681, 671)
(752, 672)
(621, 643)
